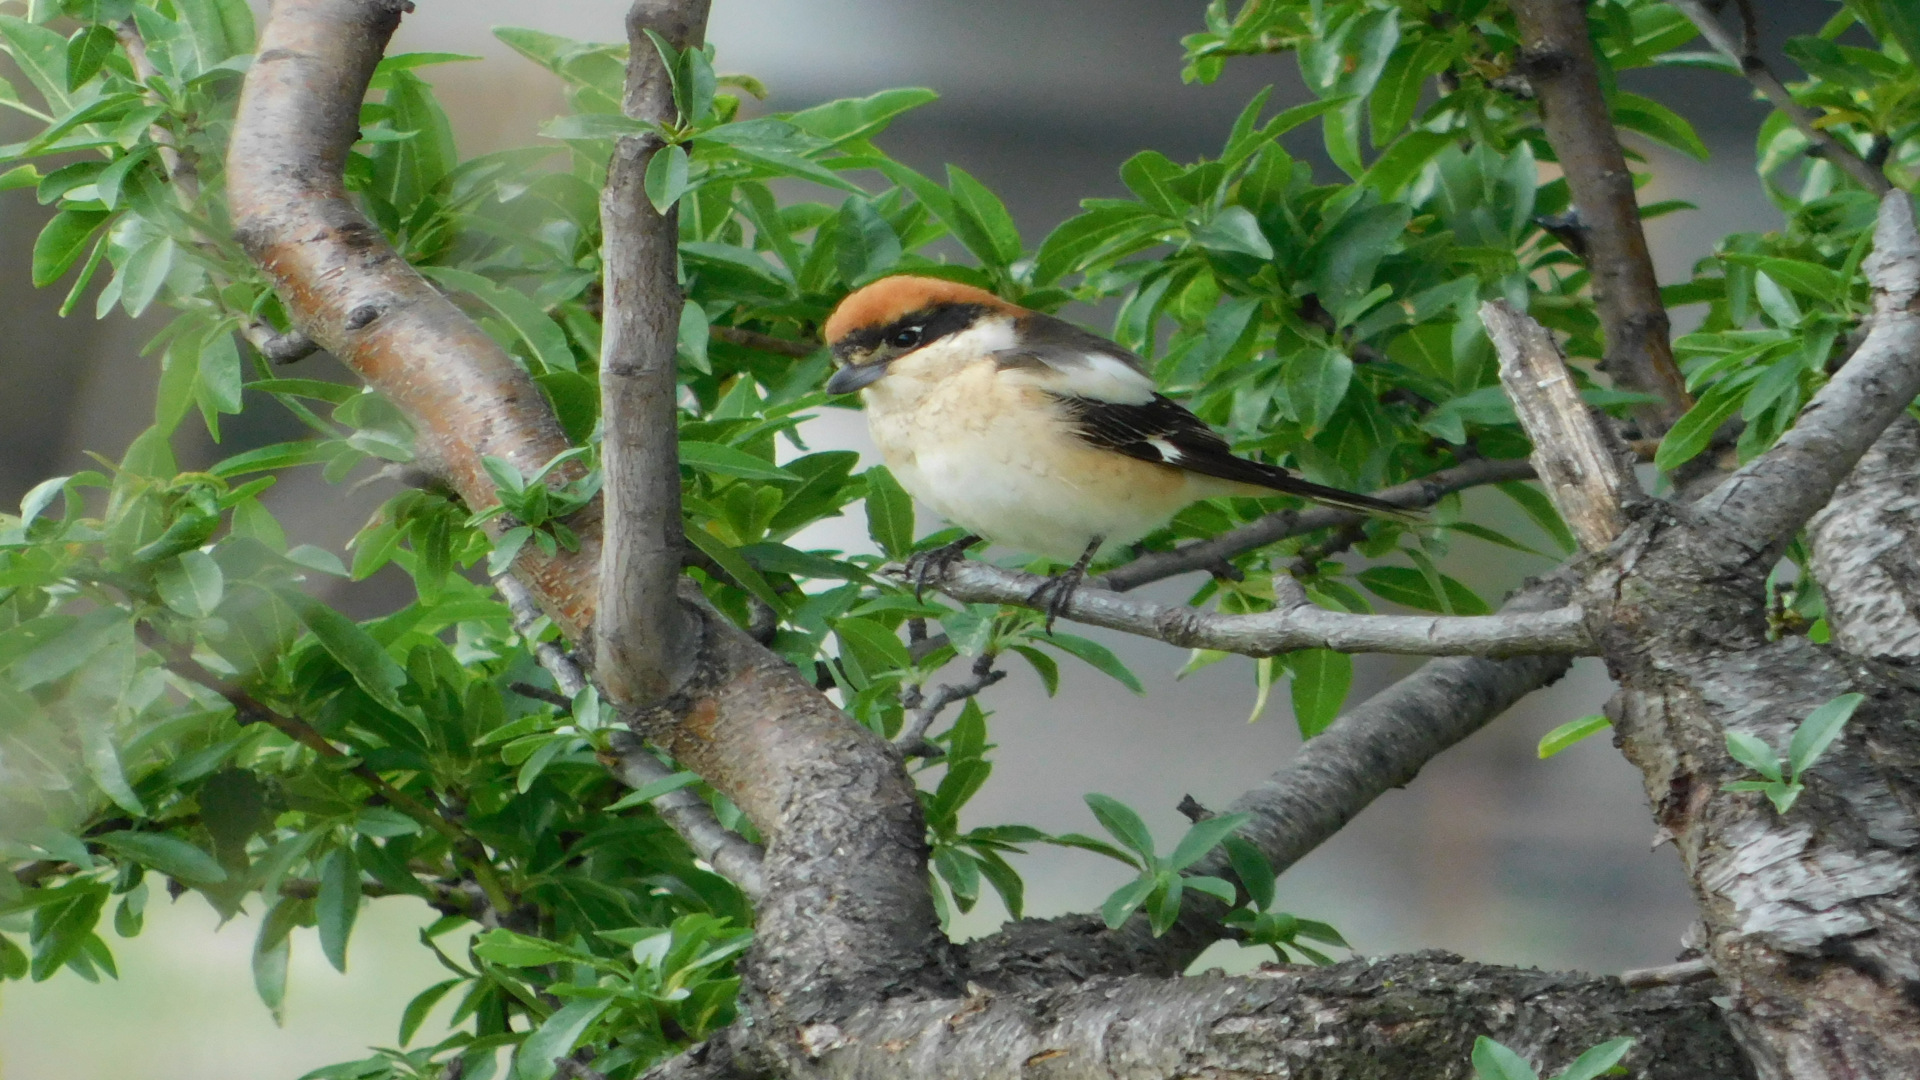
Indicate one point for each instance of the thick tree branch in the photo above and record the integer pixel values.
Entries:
(349, 291)
(1295, 624)
(1744, 51)
(642, 640)
(731, 856)
(1214, 552)
(1587, 471)
(1377, 746)
(1866, 549)
(1393, 1019)
(1772, 496)
(848, 917)
(1557, 60)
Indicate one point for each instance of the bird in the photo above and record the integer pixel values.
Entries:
(1026, 430)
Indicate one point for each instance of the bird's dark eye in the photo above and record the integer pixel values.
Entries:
(905, 339)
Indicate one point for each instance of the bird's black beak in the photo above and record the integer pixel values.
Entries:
(856, 377)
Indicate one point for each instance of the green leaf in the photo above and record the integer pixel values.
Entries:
(364, 658)
(168, 854)
(190, 583)
(62, 242)
(1810, 279)
(1596, 1061)
(1818, 731)
(859, 118)
(1122, 823)
(652, 790)
(1540, 508)
(981, 221)
(1657, 122)
(556, 1037)
(1125, 901)
(87, 52)
(1414, 589)
(1571, 732)
(1316, 381)
(144, 272)
(544, 337)
(889, 513)
(103, 763)
(1203, 837)
(416, 1011)
(1321, 679)
(1492, 1061)
(1750, 751)
(666, 179)
(508, 949)
(338, 904)
(42, 57)
(1234, 230)
(728, 461)
(879, 649)
(1098, 655)
(1694, 431)
(1250, 865)
(272, 948)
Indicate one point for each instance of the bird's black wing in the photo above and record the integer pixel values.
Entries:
(1165, 432)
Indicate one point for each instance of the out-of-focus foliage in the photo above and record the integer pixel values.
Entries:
(179, 710)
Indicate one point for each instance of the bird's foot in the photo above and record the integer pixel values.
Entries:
(922, 565)
(1056, 593)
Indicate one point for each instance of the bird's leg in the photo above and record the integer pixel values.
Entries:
(1057, 591)
(922, 565)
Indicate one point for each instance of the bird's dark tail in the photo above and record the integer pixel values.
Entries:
(1275, 478)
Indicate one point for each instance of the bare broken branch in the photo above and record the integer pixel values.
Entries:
(1587, 471)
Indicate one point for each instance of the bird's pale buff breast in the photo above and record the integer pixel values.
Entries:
(995, 455)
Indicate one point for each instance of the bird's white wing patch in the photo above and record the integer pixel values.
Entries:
(1096, 376)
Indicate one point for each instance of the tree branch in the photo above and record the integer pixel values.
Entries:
(347, 289)
(766, 343)
(1771, 497)
(1557, 59)
(1744, 51)
(642, 641)
(1864, 549)
(1377, 746)
(847, 917)
(923, 711)
(1283, 524)
(1585, 467)
(1293, 625)
(730, 855)
(1407, 1016)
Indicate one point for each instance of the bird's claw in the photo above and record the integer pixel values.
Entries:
(1055, 594)
(924, 565)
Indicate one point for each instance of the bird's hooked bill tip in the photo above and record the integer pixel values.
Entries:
(855, 377)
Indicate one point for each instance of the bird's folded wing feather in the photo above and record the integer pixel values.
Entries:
(1111, 402)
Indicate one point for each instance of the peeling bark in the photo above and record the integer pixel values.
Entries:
(1864, 553)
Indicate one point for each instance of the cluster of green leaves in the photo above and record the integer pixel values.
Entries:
(1783, 781)
(1494, 1061)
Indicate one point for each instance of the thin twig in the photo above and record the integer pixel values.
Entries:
(1283, 524)
(1744, 51)
(766, 343)
(1680, 974)
(1291, 626)
(912, 740)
